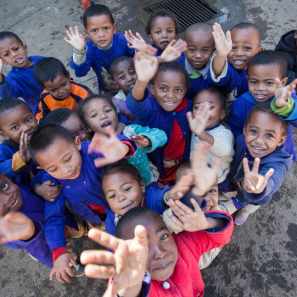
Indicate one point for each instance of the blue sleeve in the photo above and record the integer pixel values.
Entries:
(36, 246)
(9, 88)
(109, 223)
(142, 109)
(123, 119)
(154, 198)
(236, 118)
(37, 179)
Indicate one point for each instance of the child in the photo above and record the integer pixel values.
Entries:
(70, 120)
(123, 73)
(287, 45)
(260, 162)
(124, 188)
(99, 113)
(234, 50)
(59, 89)
(200, 47)
(166, 110)
(162, 27)
(104, 46)
(20, 82)
(263, 71)
(67, 162)
(171, 260)
(30, 210)
(205, 124)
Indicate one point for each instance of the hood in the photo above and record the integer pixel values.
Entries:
(287, 43)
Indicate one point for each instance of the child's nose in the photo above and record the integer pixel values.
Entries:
(159, 252)
(122, 197)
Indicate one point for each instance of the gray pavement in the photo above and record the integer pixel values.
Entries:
(261, 258)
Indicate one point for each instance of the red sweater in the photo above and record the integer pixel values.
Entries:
(186, 280)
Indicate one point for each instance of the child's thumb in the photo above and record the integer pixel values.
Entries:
(49, 183)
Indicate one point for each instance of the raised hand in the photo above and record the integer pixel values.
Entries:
(145, 66)
(75, 39)
(111, 148)
(253, 181)
(141, 140)
(283, 93)
(15, 226)
(126, 266)
(223, 43)
(48, 191)
(205, 174)
(173, 50)
(62, 269)
(24, 151)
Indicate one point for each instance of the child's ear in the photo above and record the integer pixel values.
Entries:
(142, 184)
(114, 28)
(86, 32)
(38, 167)
(25, 47)
(152, 89)
(150, 38)
(223, 114)
(77, 142)
(260, 49)
(4, 135)
(284, 81)
(244, 130)
(282, 140)
(295, 34)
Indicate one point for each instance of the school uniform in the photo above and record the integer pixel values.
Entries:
(48, 103)
(21, 82)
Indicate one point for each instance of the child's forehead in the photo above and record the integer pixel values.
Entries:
(124, 65)
(171, 77)
(163, 21)
(207, 95)
(96, 103)
(98, 20)
(264, 71)
(8, 41)
(248, 35)
(199, 37)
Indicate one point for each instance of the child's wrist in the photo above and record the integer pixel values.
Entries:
(80, 51)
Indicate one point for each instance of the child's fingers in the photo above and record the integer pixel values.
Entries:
(76, 30)
(99, 271)
(256, 165)
(195, 205)
(268, 174)
(245, 165)
(228, 36)
(190, 116)
(141, 235)
(104, 239)
(176, 221)
(179, 208)
(104, 258)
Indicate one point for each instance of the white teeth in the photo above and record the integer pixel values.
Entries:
(169, 103)
(258, 149)
(238, 62)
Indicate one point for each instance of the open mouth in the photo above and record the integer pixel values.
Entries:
(127, 206)
(169, 103)
(19, 61)
(164, 42)
(260, 96)
(238, 62)
(15, 203)
(257, 150)
(131, 86)
(105, 124)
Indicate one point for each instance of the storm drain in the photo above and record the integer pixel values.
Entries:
(188, 12)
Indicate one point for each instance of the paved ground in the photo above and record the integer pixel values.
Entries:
(261, 259)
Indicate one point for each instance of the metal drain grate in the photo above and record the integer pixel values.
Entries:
(188, 12)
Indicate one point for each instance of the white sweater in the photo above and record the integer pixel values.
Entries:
(222, 148)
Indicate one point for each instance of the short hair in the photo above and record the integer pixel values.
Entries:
(133, 214)
(242, 26)
(97, 9)
(198, 27)
(123, 166)
(117, 61)
(58, 116)
(7, 34)
(161, 13)
(216, 92)
(270, 57)
(45, 137)
(95, 97)
(10, 103)
(47, 69)
(174, 67)
(265, 108)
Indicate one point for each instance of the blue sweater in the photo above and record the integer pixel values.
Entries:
(153, 200)
(151, 114)
(20, 82)
(33, 207)
(85, 188)
(97, 58)
(279, 160)
(245, 103)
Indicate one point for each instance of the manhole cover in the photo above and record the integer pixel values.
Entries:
(187, 12)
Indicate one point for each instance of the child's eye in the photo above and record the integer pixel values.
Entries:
(164, 236)
(67, 160)
(233, 48)
(94, 115)
(5, 186)
(111, 196)
(122, 77)
(132, 72)
(5, 55)
(163, 89)
(16, 48)
(53, 170)
(191, 50)
(247, 48)
(29, 120)
(170, 31)
(127, 189)
(269, 135)
(83, 128)
(205, 51)
(253, 131)
(94, 30)
(158, 32)
(108, 110)
(196, 107)
(64, 83)
(270, 83)
(178, 90)
(253, 82)
(14, 127)
(105, 28)
(212, 191)
(212, 107)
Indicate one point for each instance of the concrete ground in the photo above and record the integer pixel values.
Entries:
(261, 258)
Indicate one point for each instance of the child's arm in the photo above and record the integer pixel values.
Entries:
(48, 190)
(223, 44)
(125, 267)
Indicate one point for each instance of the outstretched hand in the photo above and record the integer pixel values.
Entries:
(111, 148)
(173, 50)
(283, 93)
(75, 39)
(126, 266)
(223, 43)
(141, 140)
(253, 181)
(145, 66)
(15, 226)
(24, 150)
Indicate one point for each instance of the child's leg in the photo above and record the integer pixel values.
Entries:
(244, 213)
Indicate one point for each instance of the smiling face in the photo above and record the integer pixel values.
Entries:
(261, 81)
(263, 134)
(122, 192)
(13, 53)
(162, 32)
(61, 159)
(125, 76)
(169, 87)
(10, 196)
(216, 111)
(100, 114)
(100, 30)
(77, 127)
(245, 44)
(60, 87)
(17, 120)
(200, 47)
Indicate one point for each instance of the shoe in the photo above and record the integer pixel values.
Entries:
(241, 217)
(79, 271)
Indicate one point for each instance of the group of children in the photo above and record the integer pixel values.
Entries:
(195, 131)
